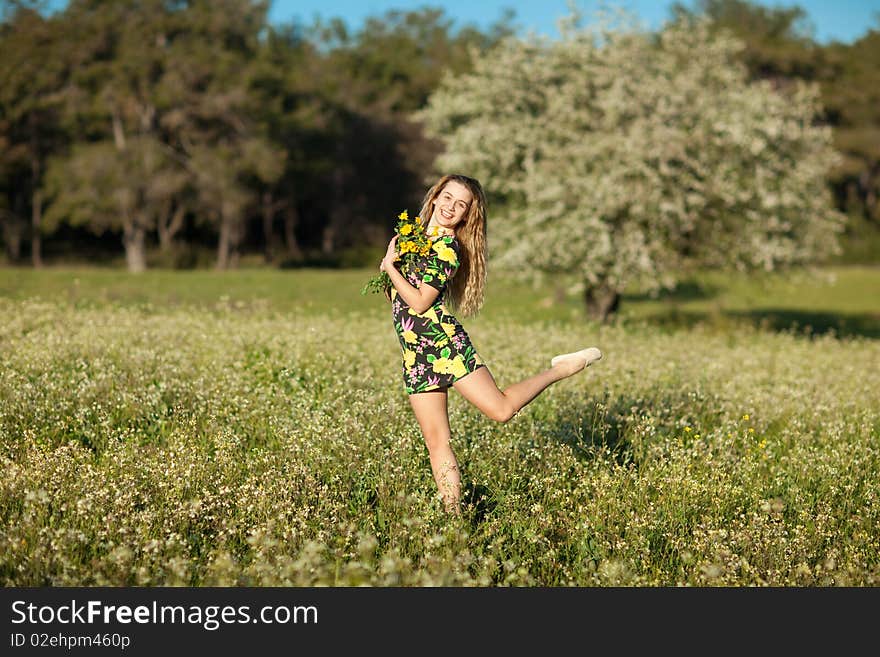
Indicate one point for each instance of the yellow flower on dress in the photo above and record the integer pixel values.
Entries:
(449, 328)
(409, 358)
(444, 252)
(457, 367)
(441, 365)
(430, 313)
(410, 336)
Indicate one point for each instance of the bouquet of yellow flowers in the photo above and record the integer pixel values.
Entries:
(412, 241)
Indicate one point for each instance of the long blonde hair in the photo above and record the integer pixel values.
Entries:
(465, 291)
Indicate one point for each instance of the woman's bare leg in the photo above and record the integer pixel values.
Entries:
(480, 389)
(432, 412)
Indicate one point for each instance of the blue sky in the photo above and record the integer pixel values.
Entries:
(841, 20)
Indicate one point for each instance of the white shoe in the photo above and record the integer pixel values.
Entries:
(590, 355)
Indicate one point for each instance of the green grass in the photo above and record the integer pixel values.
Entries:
(844, 300)
(250, 427)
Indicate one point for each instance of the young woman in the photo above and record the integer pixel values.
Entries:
(437, 352)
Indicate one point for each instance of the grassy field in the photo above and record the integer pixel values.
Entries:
(250, 428)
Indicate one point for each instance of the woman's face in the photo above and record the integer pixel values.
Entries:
(452, 204)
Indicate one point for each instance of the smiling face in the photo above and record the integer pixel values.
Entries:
(451, 206)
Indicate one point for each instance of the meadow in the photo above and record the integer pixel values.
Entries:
(211, 428)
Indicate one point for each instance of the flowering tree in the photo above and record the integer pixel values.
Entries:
(622, 157)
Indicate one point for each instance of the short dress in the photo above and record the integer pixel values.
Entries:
(437, 351)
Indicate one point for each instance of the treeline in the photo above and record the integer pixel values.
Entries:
(171, 130)
(779, 47)
(167, 124)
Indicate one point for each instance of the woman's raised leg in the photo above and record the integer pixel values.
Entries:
(480, 389)
(432, 412)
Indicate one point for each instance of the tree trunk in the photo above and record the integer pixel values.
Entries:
(134, 235)
(269, 241)
(327, 239)
(235, 246)
(168, 228)
(223, 241)
(36, 235)
(36, 197)
(871, 194)
(13, 229)
(338, 211)
(601, 302)
(118, 131)
(291, 217)
(134, 240)
(230, 238)
(236, 237)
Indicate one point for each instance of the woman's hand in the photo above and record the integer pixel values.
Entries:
(390, 255)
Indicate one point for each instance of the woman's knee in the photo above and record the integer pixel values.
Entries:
(436, 439)
(501, 413)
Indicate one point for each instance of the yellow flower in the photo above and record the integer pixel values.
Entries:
(410, 336)
(403, 216)
(457, 368)
(444, 252)
(746, 416)
(409, 358)
(430, 312)
(449, 328)
(406, 229)
(441, 365)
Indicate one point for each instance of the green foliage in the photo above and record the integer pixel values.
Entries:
(257, 123)
(288, 138)
(778, 40)
(850, 78)
(621, 158)
(779, 48)
(378, 284)
(33, 72)
(104, 188)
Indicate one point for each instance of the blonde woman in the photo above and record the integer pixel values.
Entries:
(437, 352)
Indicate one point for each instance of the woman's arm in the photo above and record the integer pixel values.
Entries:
(418, 298)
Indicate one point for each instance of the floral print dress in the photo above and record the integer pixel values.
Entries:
(437, 351)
